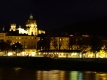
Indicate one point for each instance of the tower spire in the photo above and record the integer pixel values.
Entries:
(31, 16)
(3, 28)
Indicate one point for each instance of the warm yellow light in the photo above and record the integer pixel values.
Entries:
(10, 53)
(33, 54)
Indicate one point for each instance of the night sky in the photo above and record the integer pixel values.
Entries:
(51, 14)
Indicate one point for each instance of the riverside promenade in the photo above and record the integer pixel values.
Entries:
(94, 64)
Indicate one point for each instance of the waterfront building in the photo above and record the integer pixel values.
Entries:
(59, 43)
(3, 36)
(69, 42)
(34, 40)
(27, 37)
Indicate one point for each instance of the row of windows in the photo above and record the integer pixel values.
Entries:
(25, 42)
(60, 39)
(2, 36)
(34, 38)
(62, 47)
(29, 46)
(21, 38)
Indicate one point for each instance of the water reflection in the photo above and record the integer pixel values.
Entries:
(52, 74)
(31, 74)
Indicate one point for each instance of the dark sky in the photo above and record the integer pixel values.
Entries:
(51, 14)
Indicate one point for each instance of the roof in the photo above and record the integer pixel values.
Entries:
(31, 20)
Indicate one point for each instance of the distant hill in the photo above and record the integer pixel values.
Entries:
(96, 27)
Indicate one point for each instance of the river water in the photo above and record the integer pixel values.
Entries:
(32, 74)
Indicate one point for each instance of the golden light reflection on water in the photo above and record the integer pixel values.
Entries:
(31, 74)
(51, 74)
(101, 76)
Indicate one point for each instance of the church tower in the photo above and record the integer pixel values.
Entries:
(31, 26)
(13, 27)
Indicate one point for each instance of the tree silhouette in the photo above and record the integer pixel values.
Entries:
(5, 45)
(55, 43)
(44, 42)
(8, 46)
(96, 44)
(2, 45)
(17, 47)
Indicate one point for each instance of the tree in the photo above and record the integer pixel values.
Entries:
(17, 47)
(55, 43)
(2, 45)
(96, 44)
(60, 42)
(8, 46)
(47, 40)
(73, 42)
(44, 42)
(5, 45)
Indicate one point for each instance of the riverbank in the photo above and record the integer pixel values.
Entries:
(95, 64)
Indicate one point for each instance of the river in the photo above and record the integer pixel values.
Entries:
(33, 74)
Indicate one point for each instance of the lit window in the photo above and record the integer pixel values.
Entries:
(25, 46)
(60, 39)
(19, 37)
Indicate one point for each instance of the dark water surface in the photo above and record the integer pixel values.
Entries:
(32, 74)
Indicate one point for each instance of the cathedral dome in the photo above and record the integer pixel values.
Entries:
(30, 21)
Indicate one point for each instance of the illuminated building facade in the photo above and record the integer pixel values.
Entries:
(59, 43)
(31, 28)
(27, 37)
